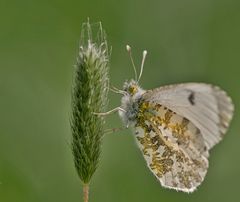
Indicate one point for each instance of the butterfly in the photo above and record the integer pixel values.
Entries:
(175, 127)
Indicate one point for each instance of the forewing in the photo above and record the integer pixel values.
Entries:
(172, 146)
(208, 107)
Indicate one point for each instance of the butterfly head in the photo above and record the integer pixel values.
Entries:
(131, 88)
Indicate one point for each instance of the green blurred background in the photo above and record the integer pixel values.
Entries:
(186, 41)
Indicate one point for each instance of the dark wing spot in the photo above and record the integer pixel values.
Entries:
(191, 98)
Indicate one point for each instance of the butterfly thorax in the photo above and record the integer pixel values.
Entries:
(130, 102)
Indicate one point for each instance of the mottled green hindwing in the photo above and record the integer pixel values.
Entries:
(172, 146)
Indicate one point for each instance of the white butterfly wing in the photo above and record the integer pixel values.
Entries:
(208, 107)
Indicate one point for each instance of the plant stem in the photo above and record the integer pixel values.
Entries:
(85, 192)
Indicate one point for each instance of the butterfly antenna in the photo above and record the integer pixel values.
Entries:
(130, 54)
(142, 64)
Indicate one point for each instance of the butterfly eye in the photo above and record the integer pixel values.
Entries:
(133, 90)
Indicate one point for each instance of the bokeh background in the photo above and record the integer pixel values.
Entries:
(186, 41)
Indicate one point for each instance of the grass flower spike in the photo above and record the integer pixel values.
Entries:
(89, 95)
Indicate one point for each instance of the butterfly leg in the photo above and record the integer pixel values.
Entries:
(113, 130)
(116, 90)
(109, 112)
